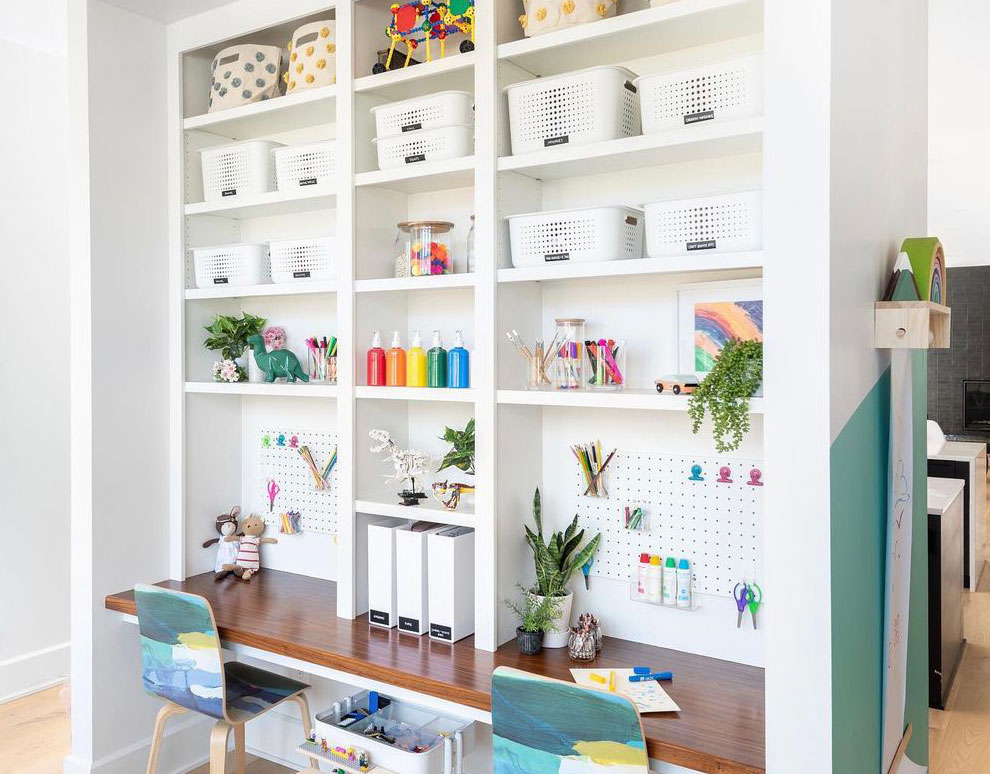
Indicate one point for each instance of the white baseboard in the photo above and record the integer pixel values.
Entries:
(32, 672)
(186, 745)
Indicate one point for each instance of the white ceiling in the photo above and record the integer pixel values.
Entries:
(168, 11)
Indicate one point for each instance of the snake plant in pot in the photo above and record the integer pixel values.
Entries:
(556, 560)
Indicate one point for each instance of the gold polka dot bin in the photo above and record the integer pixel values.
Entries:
(544, 16)
(314, 56)
(244, 74)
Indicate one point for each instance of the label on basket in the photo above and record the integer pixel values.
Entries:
(409, 624)
(704, 115)
(220, 280)
(378, 617)
(414, 159)
(705, 244)
(412, 127)
(229, 192)
(551, 257)
(307, 275)
(441, 632)
(307, 181)
(551, 141)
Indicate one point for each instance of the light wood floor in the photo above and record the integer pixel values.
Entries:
(34, 733)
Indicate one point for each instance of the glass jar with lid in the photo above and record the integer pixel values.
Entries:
(568, 362)
(424, 247)
(470, 248)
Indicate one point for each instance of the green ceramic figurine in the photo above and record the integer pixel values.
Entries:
(279, 362)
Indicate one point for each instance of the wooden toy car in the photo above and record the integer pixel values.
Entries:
(677, 384)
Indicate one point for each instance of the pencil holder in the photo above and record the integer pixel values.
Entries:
(635, 517)
(606, 364)
(581, 645)
(568, 362)
(322, 367)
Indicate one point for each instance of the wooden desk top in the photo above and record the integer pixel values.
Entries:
(720, 727)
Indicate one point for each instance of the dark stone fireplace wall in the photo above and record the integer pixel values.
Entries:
(969, 357)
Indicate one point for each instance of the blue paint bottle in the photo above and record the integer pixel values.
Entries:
(458, 364)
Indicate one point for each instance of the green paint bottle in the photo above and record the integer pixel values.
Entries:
(436, 363)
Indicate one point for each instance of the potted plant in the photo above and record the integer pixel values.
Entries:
(229, 337)
(556, 560)
(461, 456)
(724, 394)
(536, 615)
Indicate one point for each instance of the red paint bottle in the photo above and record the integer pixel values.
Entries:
(376, 362)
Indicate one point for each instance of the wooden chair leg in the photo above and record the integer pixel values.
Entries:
(307, 722)
(167, 711)
(218, 747)
(239, 747)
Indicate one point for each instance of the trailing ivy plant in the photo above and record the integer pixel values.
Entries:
(724, 394)
(553, 559)
(462, 455)
(229, 335)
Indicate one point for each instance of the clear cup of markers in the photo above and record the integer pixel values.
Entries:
(321, 357)
(568, 362)
(606, 359)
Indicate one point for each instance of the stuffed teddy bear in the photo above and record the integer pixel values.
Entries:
(226, 549)
(248, 561)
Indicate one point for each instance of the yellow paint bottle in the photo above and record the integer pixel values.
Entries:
(416, 363)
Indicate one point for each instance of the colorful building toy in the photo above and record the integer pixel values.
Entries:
(418, 22)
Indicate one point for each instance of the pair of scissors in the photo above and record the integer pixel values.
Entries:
(741, 594)
(755, 597)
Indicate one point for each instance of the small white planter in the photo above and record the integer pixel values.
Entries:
(556, 636)
(255, 374)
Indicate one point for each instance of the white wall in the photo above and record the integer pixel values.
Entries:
(959, 154)
(34, 386)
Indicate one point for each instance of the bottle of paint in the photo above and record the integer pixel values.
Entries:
(669, 582)
(436, 363)
(416, 363)
(684, 583)
(458, 364)
(653, 586)
(395, 364)
(376, 362)
(643, 576)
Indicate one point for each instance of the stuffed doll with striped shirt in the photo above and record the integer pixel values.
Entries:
(248, 562)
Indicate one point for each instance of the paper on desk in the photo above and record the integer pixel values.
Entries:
(648, 696)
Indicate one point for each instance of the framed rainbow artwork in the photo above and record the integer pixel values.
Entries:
(709, 314)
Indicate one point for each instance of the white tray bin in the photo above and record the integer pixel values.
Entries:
(299, 260)
(450, 576)
(612, 233)
(230, 265)
(445, 108)
(239, 169)
(709, 224)
(302, 166)
(586, 106)
(724, 91)
(444, 756)
(446, 142)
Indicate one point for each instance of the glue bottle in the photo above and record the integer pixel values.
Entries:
(653, 582)
(458, 364)
(395, 364)
(643, 576)
(684, 583)
(376, 362)
(669, 582)
(416, 363)
(436, 363)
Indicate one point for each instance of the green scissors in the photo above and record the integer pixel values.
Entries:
(754, 596)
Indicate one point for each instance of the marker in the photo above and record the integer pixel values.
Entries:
(597, 678)
(642, 670)
(654, 676)
(611, 681)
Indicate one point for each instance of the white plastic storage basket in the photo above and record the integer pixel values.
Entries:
(600, 103)
(446, 142)
(431, 112)
(242, 168)
(300, 166)
(586, 234)
(234, 265)
(726, 90)
(714, 224)
(295, 260)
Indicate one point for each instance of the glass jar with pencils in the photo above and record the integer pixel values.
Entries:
(606, 364)
(322, 359)
(568, 362)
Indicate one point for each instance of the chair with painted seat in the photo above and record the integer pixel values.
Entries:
(540, 724)
(182, 664)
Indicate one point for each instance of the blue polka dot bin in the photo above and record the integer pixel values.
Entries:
(237, 78)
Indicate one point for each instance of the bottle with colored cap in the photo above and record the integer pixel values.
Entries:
(684, 583)
(458, 364)
(653, 587)
(436, 363)
(395, 363)
(669, 582)
(376, 362)
(643, 576)
(416, 363)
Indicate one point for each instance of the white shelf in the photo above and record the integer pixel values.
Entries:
(280, 389)
(391, 285)
(255, 291)
(423, 177)
(454, 72)
(552, 272)
(442, 394)
(273, 203)
(273, 116)
(624, 38)
(430, 510)
(689, 143)
(649, 400)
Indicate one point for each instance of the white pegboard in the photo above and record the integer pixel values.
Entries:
(717, 526)
(282, 462)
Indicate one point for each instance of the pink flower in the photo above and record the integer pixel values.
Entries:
(274, 337)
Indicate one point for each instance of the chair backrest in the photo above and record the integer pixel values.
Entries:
(538, 722)
(180, 649)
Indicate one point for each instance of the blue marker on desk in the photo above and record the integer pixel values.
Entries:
(637, 678)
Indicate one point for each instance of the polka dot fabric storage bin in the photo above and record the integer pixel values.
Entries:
(312, 57)
(544, 16)
(244, 74)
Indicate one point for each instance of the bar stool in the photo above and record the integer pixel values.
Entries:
(182, 664)
(538, 722)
